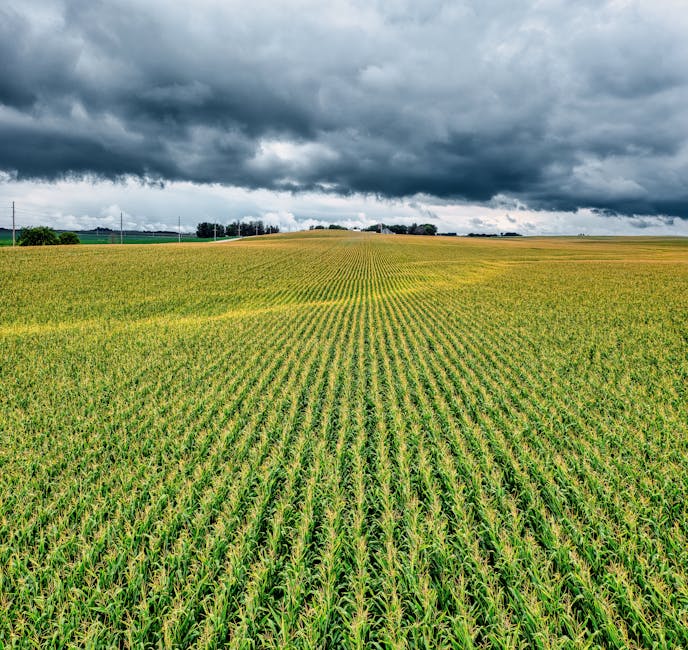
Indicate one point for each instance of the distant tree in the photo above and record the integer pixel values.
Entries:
(422, 229)
(398, 229)
(251, 228)
(427, 229)
(206, 230)
(334, 226)
(39, 236)
(248, 229)
(68, 238)
(373, 228)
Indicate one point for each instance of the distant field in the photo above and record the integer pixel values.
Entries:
(326, 440)
(113, 238)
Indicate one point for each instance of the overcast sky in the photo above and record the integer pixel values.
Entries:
(543, 117)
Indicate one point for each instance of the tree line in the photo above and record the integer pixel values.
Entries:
(398, 229)
(493, 234)
(207, 230)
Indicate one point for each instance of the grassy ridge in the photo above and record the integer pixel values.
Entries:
(345, 440)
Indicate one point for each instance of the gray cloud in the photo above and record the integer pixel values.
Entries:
(554, 105)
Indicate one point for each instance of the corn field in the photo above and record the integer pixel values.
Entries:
(345, 440)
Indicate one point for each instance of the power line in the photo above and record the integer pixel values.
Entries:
(38, 211)
(38, 214)
(14, 218)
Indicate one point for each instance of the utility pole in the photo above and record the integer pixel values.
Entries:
(179, 228)
(14, 239)
(121, 230)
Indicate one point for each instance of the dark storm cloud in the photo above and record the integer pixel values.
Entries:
(553, 104)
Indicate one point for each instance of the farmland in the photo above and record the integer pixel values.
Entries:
(112, 237)
(345, 440)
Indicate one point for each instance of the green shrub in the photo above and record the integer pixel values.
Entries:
(69, 238)
(39, 236)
